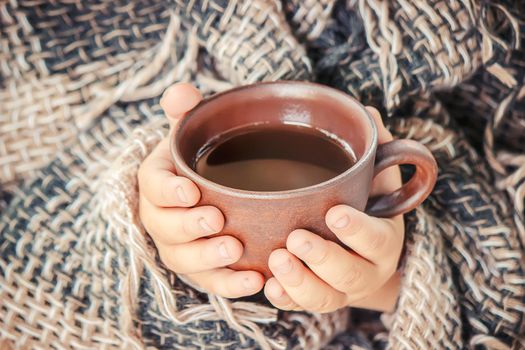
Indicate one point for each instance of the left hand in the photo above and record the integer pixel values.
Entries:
(333, 276)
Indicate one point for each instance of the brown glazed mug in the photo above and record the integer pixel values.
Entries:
(262, 221)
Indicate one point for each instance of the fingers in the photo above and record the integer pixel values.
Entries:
(201, 255)
(180, 225)
(160, 190)
(342, 270)
(160, 185)
(389, 179)
(382, 132)
(276, 294)
(302, 286)
(377, 240)
(229, 283)
(179, 99)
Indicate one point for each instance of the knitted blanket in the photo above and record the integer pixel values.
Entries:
(80, 83)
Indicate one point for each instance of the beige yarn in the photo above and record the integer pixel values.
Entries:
(241, 50)
(44, 114)
(82, 267)
(450, 63)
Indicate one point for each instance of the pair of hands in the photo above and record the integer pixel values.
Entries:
(311, 274)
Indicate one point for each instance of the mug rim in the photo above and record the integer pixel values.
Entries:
(235, 192)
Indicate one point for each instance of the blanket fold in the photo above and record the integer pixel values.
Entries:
(79, 90)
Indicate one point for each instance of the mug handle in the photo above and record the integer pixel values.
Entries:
(416, 190)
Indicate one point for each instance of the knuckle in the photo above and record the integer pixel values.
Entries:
(359, 225)
(376, 241)
(349, 279)
(208, 257)
(321, 256)
(323, 305)
(297, 279)
(166, 195)
(187, 227)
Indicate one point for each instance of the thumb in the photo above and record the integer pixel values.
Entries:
(179, 99)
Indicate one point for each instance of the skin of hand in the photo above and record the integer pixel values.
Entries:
(333, 276)
(179, 228)
(317, 275)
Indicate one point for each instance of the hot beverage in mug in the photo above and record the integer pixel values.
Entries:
(273, 157)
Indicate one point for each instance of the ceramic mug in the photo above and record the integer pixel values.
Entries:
(262, 221)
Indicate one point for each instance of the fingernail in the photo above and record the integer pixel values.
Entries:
(248, 283)
(284, 267)
(223, 252)
(206, 226)
(342, 222)
(181, 195)
(304, 248)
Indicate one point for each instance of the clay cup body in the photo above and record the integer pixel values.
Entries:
(262, 221)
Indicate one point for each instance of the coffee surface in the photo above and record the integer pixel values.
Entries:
(272, 158)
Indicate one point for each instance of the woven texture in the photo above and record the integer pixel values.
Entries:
(79, 89)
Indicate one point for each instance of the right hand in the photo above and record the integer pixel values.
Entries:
(178, 227)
